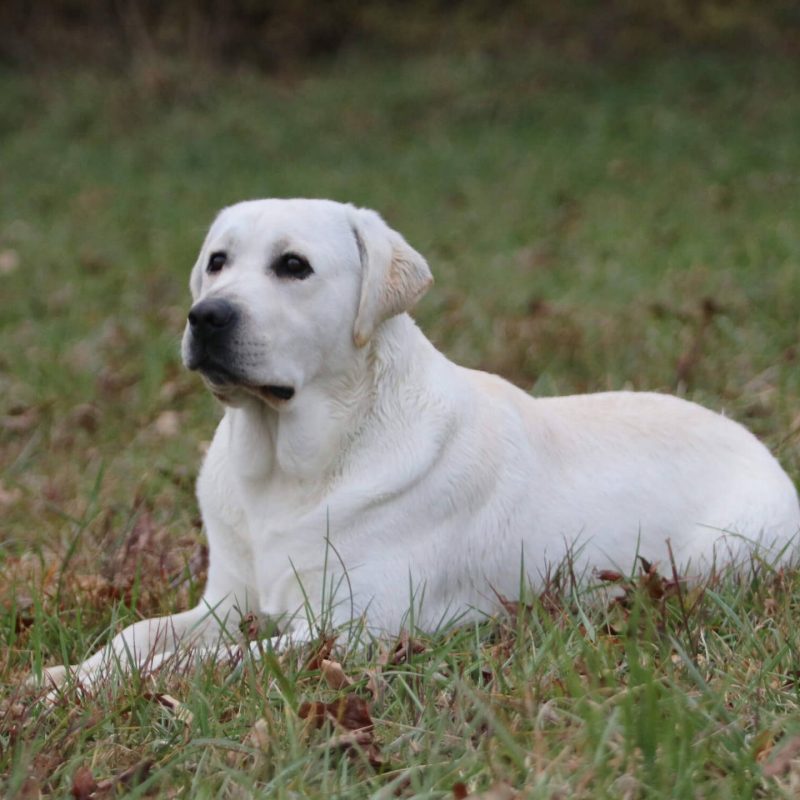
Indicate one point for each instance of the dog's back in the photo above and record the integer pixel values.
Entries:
(635, 469)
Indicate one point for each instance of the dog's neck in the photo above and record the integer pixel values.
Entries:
(308, 441)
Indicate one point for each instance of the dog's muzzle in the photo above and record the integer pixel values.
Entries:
(211, 323)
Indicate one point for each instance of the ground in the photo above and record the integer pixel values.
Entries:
(590, 227)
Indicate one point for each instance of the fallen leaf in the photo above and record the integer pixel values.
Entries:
(195, 568)
(627, 787)
(323, 652)
(250, 627)
(499, 791)
(609, 576)
(110, 383)
(375, 684)
(94, 589)
(86, 416)
(83, 783)
(782, 762)
(334, 674)
(403, 649)
(21, 419)
(9, 261)
(362, 741)
(258, 736)
(654, 584)
(353, 726)
(129, 777)
(31, 789)
(168, 424)
(460, 791)
(8, 497)
(179, 709)
(350, 711)
(762, 744)
(511, 607)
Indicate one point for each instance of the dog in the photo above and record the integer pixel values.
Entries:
(358, 474)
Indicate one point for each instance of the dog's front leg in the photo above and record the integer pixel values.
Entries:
(148, 643)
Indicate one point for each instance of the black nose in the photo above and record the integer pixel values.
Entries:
(213, 316)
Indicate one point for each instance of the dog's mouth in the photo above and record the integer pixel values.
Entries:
(276, 393)
(220, 381)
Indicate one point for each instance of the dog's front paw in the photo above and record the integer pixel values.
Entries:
(51, 678)
(56, 683)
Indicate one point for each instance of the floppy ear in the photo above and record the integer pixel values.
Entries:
(393, 275)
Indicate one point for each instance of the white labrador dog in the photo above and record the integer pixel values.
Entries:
(358, 473)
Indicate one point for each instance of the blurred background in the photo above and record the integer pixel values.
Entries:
(608, 194)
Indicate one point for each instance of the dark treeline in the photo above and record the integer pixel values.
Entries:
(271, 33)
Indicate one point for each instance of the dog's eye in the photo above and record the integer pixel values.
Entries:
(291, 266)
(216, 262)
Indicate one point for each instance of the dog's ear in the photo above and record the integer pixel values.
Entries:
(393, 275)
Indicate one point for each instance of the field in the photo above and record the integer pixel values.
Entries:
(590, 227)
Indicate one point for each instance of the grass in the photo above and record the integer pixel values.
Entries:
(590, 227)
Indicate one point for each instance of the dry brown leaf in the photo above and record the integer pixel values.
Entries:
(94, 589)
(85, 416)
(499, 791)
(334, 675)
(647, 566)
(610, 576)
(403, 649)
(21, 419)
(8, 497)
(359, 738)
(258, 736)
(110, 383)
(362, 740)
(323, 651)
(654, 584)
(83, 783)
(460, 791)
(762, 743)
(168, 424)
(250, 626)
(148, 559)
(179, 709)
(31, 789)
(375, 684)
(782, 762)
(353, 726)
(650, 582)
(129, 777)
(511, 607)
(9, 261)
(141, 539)
(258, 739)
(196, 567)
(350, 711)
(627, 787)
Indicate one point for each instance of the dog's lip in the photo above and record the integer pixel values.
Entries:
(219, 378)
(215, 373)
(276, 392)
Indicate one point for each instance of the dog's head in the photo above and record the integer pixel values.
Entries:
(286, 291)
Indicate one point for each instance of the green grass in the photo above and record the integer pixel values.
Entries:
(590, 227)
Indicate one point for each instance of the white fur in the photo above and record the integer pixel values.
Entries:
(394, 473)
